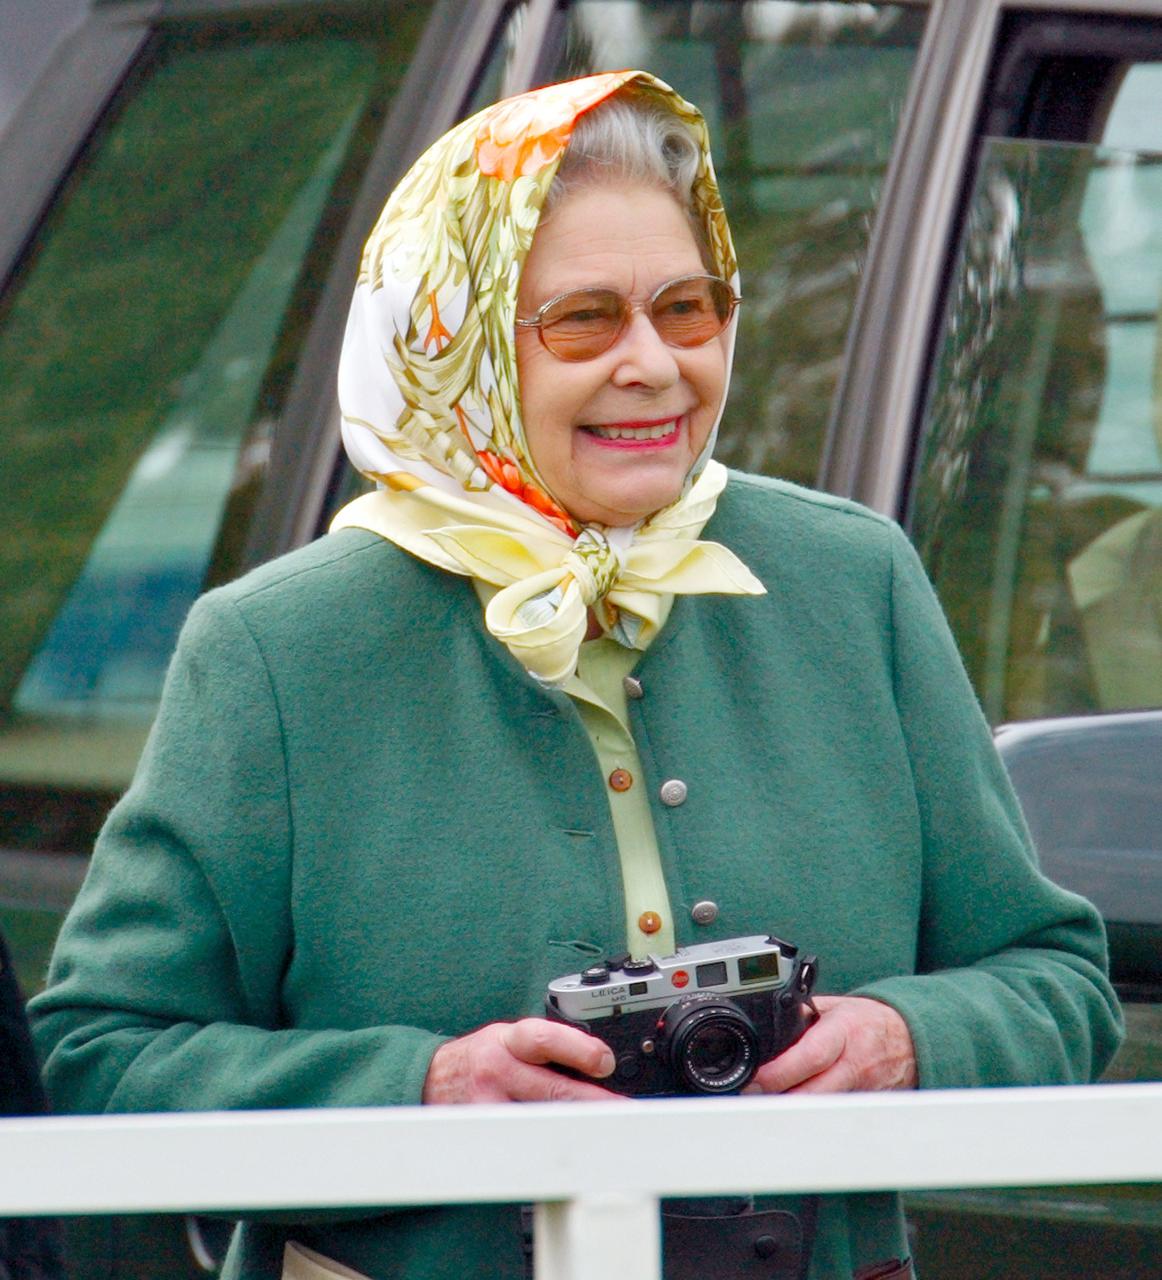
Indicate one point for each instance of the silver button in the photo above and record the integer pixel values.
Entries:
(704, 912)
(633, 687)
(673, 792)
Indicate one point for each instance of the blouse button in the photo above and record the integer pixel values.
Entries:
(673, 792)
(649, 922)
(704, 912)
(621, 779)
(633, 687)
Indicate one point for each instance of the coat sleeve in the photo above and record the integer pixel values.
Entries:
(1011, 980)
(164, 990)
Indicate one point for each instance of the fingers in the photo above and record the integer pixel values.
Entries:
(538, 1041)
(509, 1062)
(821, 1046)
(857, 1044)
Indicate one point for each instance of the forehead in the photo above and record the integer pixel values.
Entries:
(628, 238)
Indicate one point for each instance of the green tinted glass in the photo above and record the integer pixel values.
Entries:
(145, 346)
(1037, 506)
(802, 100)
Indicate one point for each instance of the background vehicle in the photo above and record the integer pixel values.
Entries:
(949, 216)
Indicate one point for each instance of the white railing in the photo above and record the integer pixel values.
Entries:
(595, 1171)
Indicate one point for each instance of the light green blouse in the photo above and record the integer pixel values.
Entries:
(599, 692)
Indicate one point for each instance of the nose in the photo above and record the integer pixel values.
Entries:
(643, 359)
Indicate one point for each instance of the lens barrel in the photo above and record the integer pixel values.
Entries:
(713, 1045)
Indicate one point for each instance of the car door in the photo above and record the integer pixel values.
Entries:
(186, 187)
(1002, 398)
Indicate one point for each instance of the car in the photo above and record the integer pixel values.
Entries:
(948, 219)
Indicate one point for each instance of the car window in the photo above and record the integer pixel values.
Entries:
(145, 342)
(1037, 503)
(802, 100)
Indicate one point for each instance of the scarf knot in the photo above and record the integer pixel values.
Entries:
(594, 564)
(546, 581)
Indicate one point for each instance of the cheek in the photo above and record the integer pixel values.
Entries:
(554, 395)
(710, 380)
(545, 413)
(532, 387)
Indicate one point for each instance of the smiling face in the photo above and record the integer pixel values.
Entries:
(615, 437)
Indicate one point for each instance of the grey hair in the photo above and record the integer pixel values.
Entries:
(631, 138)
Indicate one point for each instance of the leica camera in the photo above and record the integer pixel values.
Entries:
(700, 1021)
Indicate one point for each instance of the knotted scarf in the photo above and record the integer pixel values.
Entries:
(430, 402)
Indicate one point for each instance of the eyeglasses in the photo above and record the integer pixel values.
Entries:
(584, 323)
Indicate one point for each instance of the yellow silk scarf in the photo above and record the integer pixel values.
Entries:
(550, 581)
(430, 402)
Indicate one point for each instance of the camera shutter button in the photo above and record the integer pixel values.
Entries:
(595, 975)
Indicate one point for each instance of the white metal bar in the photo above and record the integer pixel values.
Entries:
(431, 1155)
(603, 1236)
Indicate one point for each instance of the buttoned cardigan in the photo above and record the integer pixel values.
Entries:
(359, 827)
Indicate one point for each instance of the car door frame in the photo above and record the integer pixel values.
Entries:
(894, 331)
(91, 66)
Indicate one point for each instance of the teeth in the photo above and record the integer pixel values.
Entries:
(637, 433)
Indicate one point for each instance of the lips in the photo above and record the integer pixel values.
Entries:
(651, 432)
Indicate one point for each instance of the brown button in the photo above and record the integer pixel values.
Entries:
(621, 779)
(649, 922)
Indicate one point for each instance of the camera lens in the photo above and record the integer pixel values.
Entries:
(713, 1044)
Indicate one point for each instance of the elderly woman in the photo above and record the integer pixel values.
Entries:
(559, 688)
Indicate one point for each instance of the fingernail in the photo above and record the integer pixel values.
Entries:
(608, 1062)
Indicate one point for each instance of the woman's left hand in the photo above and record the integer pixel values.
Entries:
(857, 1044)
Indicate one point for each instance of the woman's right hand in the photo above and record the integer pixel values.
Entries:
(506, 1062)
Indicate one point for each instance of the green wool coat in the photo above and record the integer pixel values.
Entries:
(360, 827)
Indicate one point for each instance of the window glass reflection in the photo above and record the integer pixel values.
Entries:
(1037, 506)
(802, 100)
(146, 344)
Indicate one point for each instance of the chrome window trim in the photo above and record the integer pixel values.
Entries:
(870, 436)
(1100, 8)
(886, 367)
(307, 454)
(55, 118)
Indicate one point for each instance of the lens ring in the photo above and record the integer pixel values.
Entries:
(713, 1045)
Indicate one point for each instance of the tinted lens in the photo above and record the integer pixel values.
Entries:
(582, 325)
(688, 313)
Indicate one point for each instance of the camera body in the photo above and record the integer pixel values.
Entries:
(700, 1021)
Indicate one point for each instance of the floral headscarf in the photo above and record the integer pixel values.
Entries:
(431, 407)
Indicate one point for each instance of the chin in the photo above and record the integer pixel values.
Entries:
(627, 509)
